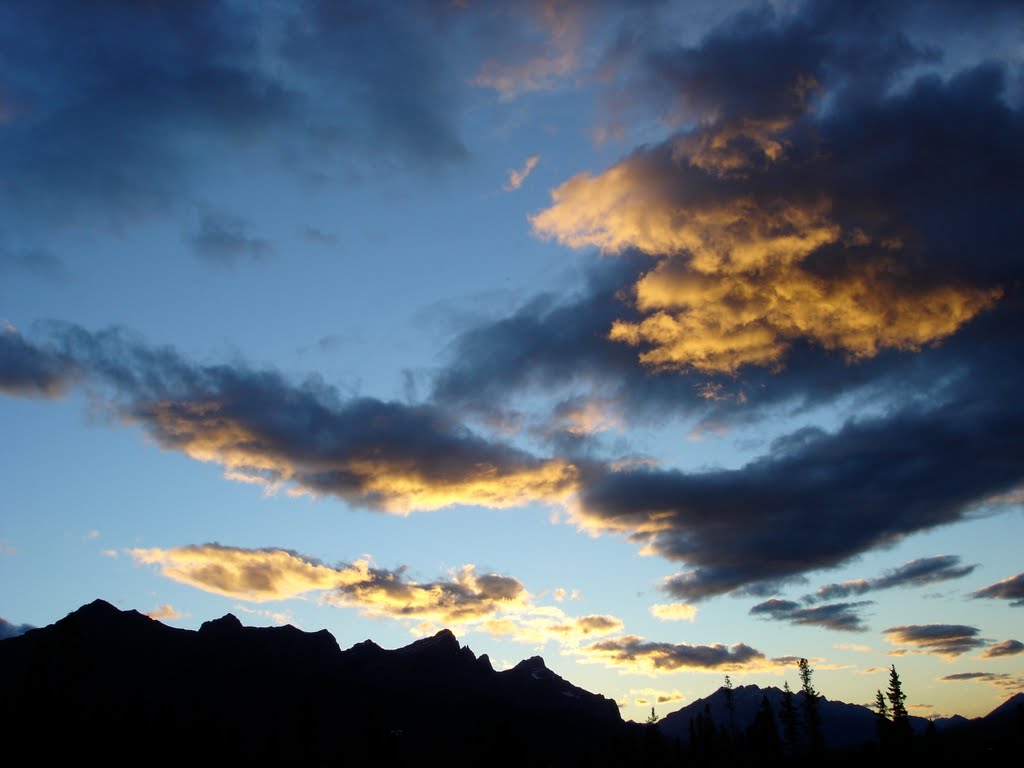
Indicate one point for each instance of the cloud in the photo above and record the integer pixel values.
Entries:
(1005, 648)
(925, 570)
(90, 138)
(7, 629)
(674, 611)
(550, 34)
(644, 696)
(1010, 588)
(516, 178)
(384, 455)
(1001, 680)
(483, 602)
(948, 640)
(837, 616)
(735, 528)
(636, 654)
(29, 371)
(853, 647)
(165, 612)
(222, 240)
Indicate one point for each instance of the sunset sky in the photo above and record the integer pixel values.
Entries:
(665, 340)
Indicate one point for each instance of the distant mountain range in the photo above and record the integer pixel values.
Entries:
(115, 683)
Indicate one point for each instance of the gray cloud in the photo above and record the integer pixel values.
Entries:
(837, 616)
(1005, 648)
(1011, 588)
(222, 239)
(948, 640)
(634, 652)
(924, 570)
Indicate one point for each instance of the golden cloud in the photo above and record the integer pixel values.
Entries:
(731, 285)
(208, 431)
(674, 611)
(490, 603)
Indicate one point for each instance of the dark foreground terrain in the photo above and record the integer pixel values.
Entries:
(123, 687)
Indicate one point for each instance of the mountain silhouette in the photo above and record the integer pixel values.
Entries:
(124, 687)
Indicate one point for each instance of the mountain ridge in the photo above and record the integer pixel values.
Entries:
(281, 692)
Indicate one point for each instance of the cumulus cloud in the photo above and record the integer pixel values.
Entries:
(948, 640)
(636, 654)
(924, 570)
(1010, 588)
(1005, 648)
(838, 616)
(517, 177)
(485, 602)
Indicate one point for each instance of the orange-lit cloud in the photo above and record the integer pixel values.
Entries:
(674, 611)
(732, 284)
(255, 575)
(397, 481)
(517, 177)
(165, 612)
(644, 696)
(490, 603)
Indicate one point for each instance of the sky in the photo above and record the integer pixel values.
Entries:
(665, 340)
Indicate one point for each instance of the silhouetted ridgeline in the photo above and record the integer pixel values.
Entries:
(126, 688)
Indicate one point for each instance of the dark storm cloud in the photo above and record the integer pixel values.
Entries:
(1011, 588)
(116, 107)
(948, 640)
(816, 499)
(263, 428)
(636, 653)
(7, 629)
(1005, 648)
(843, 617)
(899, 195)
(925, 570)
(222, 239)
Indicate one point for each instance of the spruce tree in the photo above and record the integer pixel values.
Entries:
(790, 728)
(812, 717)
(882, 719)
(900, 718)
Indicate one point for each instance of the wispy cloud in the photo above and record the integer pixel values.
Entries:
(517, 177)
(925, 570)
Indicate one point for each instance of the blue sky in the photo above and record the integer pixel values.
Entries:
(665, 340)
